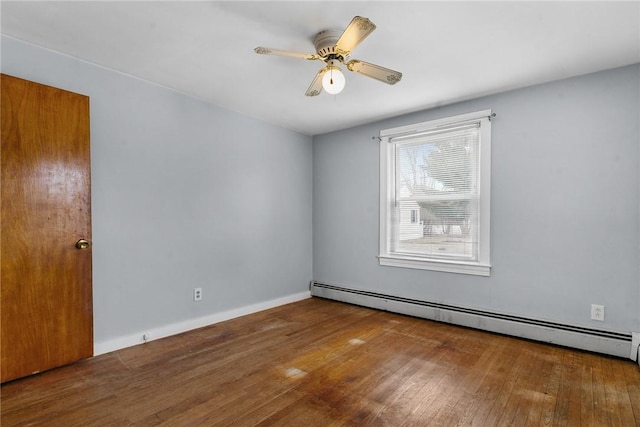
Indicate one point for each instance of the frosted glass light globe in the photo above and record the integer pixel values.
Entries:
(333, 80)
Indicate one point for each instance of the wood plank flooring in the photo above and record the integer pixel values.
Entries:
(323, 363)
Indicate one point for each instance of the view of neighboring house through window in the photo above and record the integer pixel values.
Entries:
(435, 184)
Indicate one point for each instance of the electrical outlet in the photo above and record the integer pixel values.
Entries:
(597, 312)
(197, 294)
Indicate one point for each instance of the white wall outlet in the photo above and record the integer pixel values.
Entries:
(197, 294)
(597, 312)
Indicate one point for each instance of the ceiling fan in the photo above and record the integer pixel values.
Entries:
(334, 48)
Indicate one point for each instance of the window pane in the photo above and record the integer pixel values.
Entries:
(436, 200)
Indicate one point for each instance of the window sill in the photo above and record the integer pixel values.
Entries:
(445, 266)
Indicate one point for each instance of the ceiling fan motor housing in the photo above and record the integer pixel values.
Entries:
(325, 43)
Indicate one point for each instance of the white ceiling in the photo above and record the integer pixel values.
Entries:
(447, 51)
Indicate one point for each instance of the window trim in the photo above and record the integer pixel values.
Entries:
(481, 267)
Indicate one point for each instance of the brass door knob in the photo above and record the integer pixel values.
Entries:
(82, 244)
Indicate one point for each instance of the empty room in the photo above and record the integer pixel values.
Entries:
(336, 213)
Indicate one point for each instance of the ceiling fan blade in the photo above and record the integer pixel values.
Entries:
(315, 88)
(357, 30)
(377, 72)
(269, 51)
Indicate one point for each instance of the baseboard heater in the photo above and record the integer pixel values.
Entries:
(618, 344)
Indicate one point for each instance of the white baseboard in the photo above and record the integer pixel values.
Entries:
(136, 338)
(600, 341)
(635, 347)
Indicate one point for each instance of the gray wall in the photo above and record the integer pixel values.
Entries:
(565, 208)
(184, 195)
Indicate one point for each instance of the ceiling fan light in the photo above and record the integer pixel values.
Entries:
(333, 80)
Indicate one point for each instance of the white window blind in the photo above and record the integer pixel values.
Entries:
(437, 173)
(435, 206)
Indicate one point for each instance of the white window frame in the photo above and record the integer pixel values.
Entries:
(481, 267)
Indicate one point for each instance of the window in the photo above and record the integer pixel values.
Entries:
(435, 189)
(414, 216)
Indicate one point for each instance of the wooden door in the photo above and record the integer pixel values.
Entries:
(46, 291)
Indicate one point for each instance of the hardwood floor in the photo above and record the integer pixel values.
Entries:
(323, 363)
